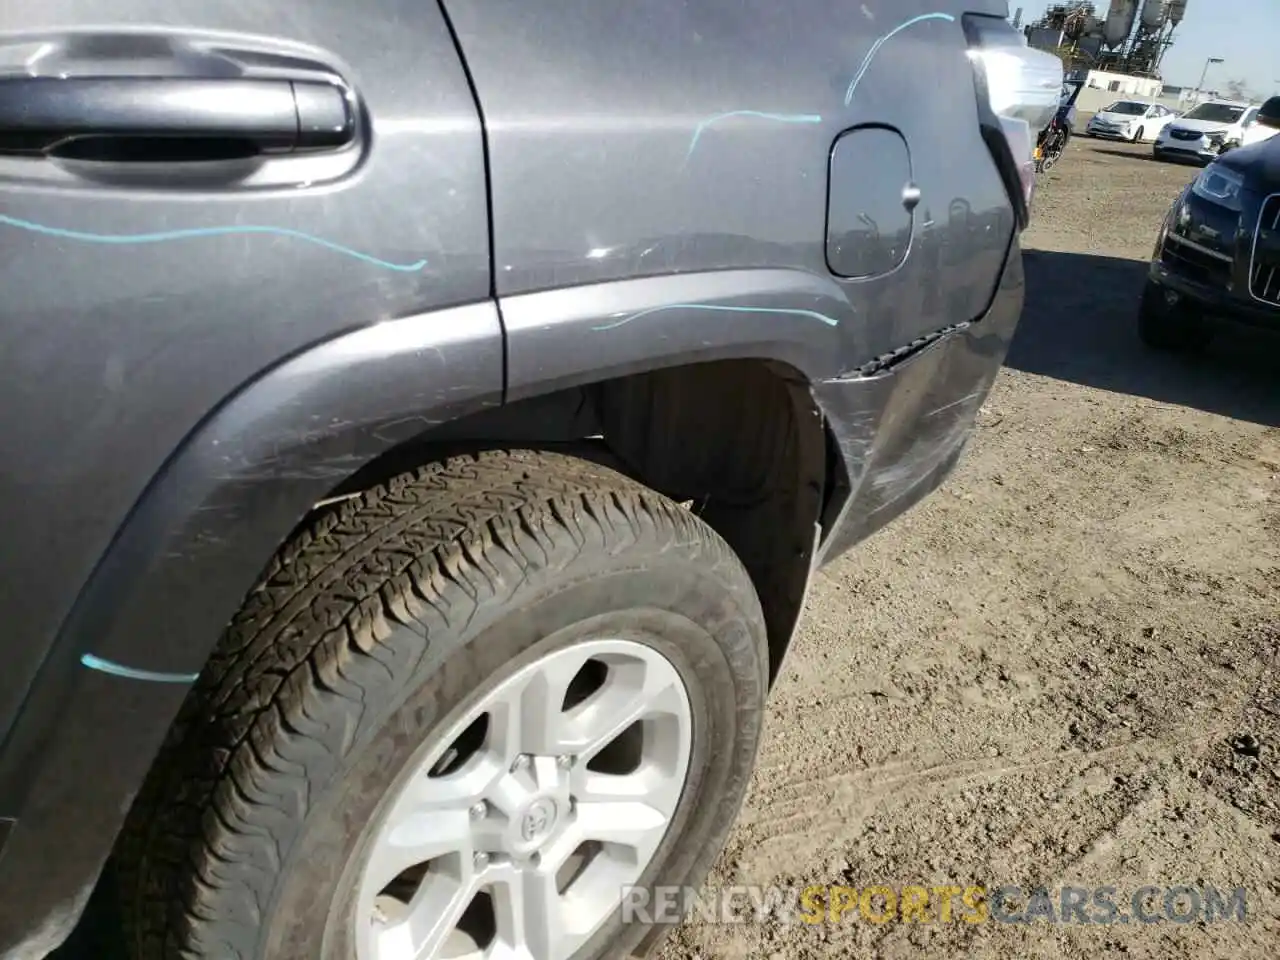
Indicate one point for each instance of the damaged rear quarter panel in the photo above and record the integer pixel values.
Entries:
(900, 430)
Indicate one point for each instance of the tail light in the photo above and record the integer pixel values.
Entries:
(1019, 92)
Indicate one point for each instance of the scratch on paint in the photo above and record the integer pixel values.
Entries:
(811, 314)
(778, 117)
(954, 403)
(875, 48)
(129, 673)
(919, 468)
(122, 239)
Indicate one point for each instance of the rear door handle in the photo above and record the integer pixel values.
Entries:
(146, 118)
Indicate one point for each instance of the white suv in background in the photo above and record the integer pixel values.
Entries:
(1131, 120)
(1210, 129)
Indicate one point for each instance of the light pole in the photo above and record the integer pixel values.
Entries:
(1207, 64)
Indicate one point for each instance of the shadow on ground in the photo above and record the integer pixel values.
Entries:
(1137, 153)
(1080, 325)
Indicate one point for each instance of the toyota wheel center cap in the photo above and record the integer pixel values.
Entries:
(538, 820)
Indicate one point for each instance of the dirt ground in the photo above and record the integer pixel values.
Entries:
(1062, 668)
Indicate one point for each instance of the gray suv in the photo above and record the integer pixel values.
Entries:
(422, 421)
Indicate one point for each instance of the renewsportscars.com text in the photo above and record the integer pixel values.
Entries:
(882, 904)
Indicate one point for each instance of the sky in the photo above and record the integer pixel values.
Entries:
(1245, 33)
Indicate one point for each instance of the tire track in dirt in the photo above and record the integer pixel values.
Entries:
(788, 811)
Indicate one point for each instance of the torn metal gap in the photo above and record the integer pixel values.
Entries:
(887, 361)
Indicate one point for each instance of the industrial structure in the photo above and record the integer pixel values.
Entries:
(1131, 39)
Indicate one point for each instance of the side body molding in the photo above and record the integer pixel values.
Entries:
(186, 556)
(563, 338)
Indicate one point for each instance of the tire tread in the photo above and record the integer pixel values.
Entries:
(426, 550)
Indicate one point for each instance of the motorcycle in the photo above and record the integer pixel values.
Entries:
(1053, 139)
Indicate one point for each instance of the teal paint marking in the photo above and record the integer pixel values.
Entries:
(116, 670)
(125, 239)
(875, 47)
(777, 117)
(811, 314)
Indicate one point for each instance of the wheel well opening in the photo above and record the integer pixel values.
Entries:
(741, 442)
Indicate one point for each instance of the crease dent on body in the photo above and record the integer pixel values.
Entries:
(168, 236)
(917, 467)
(875, 47)
(811, 314)
(756, 114)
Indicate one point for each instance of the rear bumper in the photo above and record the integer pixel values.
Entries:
(901, 431)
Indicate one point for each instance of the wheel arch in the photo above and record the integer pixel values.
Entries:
(759, 474)
(348, 415)
(355, 410)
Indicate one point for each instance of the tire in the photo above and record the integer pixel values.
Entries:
(377, 627)
(1173, 329)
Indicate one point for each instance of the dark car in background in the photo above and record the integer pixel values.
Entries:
(1217, 257)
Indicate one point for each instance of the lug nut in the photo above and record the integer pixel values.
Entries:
(480, 860)
(565, 762)
(521, 763)
(478, 810)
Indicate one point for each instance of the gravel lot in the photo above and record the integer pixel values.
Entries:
(1061, 669)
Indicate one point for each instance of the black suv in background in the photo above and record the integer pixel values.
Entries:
(1217, 256)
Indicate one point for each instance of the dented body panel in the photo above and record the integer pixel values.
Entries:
(901, 429)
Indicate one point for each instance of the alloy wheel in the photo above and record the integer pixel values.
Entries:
(517, 830)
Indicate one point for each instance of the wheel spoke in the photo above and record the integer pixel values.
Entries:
(626, 823)
(528, 718)
(540, 713)
(543, 914)
(633, 692)
(506, 730)
(431, 917)
(647, 784)
(453, 791)
(530, 914)
(417, 838)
